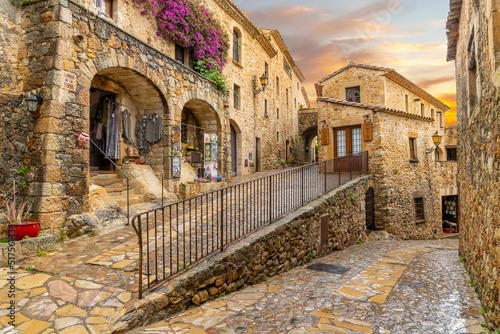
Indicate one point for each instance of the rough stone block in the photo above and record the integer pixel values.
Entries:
(47, 125)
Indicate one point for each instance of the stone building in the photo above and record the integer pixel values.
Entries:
(375, 109)
(473, 30)
(81, 57)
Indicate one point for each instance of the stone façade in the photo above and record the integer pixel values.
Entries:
(397, 180)
(477, 23)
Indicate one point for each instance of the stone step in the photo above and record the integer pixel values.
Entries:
(107, 182)
(122, 200)
(116, 188)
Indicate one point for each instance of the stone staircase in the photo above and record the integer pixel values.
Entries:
(116, 186)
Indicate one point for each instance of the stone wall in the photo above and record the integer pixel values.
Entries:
(396, 180)
(479, 146)
(289, 242)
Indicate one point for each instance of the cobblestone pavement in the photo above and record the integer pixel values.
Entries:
(391, 287)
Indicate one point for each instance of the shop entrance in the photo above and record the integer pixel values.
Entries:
(450, 214)
(101, 101)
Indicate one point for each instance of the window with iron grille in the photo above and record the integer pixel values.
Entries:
(236, 46)
(236, 97)
(353, 94)
(413, 149)
(419, 208)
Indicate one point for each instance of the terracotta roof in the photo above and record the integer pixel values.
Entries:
(452, 25)
(376, 108)
(395, 76)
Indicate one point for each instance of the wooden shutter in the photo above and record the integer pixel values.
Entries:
(325, 136)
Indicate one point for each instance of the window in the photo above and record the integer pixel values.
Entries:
(422, 109)
(266, 70)
(236, 97)
(472, 77)
(295, 103)
(407, 109)
(179, 53)
(451, 153)
(440, 113)
(287, 66)
(106, 7)
(432, 113)
(413, 149)
(353, 94)
(277, 86)
(277, 113)
(236, 46)
(419, 208)
(287, 97)
(265, 107)
(278, 136)
(347, 141)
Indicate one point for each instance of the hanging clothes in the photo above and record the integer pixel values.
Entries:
(140, 130)
(126, 125)
(153, 129)
(113, 132)
(105, 107)
(98, 123)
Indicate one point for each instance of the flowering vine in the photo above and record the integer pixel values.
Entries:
(190, 24)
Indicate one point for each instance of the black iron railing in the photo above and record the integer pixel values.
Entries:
(177, 236)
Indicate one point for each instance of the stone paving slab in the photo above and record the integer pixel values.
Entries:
(308, 301)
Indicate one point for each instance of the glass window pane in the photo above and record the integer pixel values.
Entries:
(341, 143)
(356, 141)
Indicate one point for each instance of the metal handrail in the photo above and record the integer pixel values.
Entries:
(222, 217)
(126, 176)
(140, 152)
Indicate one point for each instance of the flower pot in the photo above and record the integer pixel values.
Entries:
(30, 228)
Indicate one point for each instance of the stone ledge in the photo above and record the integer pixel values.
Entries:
(28, 247)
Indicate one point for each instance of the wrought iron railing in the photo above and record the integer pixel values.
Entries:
(179, 235)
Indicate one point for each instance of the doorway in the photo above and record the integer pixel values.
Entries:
(450, 214)
(99, 103)
(234, 152)
(257, 155)
(370, 209)
(347, 148)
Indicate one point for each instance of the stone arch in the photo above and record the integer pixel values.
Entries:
(308, 136)
(239, 147)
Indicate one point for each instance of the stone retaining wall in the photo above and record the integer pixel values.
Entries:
(27, 247)
(287, 243)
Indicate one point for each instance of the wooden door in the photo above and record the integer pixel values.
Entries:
(234, 154)
(347, 144)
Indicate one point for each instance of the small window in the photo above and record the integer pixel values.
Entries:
(422, 109)
(407, 103)
(413, 149)
(179, 53)
(266, 69)
(287, 97)
(440, 118)
(265, 107)
(277, 86)
(277, 136)
(286, 65)
(236, 97)
(277, 113)
(353, 94)
(432, 113)
(236, 46)
(105, 6)
(419, 209)
(451, 154)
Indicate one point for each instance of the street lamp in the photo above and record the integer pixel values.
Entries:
(33, 101)
(263, 81)
(436, 139)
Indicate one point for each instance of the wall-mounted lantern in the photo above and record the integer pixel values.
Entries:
(33, 101)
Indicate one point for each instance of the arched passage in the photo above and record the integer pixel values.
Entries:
(308, 141)
(125, 94)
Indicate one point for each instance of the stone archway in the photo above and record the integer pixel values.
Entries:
(308, 137)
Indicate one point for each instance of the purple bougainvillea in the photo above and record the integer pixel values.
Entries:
(189, 23)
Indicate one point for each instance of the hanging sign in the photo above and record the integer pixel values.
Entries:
(368, 131)
(325, 138)
(176, 152)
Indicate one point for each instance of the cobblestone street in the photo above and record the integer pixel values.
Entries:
(390, 287)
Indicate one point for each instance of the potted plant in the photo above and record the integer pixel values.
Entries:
(19, 226)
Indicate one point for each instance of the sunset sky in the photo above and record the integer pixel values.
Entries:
(325, 35)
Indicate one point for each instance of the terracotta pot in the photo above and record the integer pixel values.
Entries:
(30, 228)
